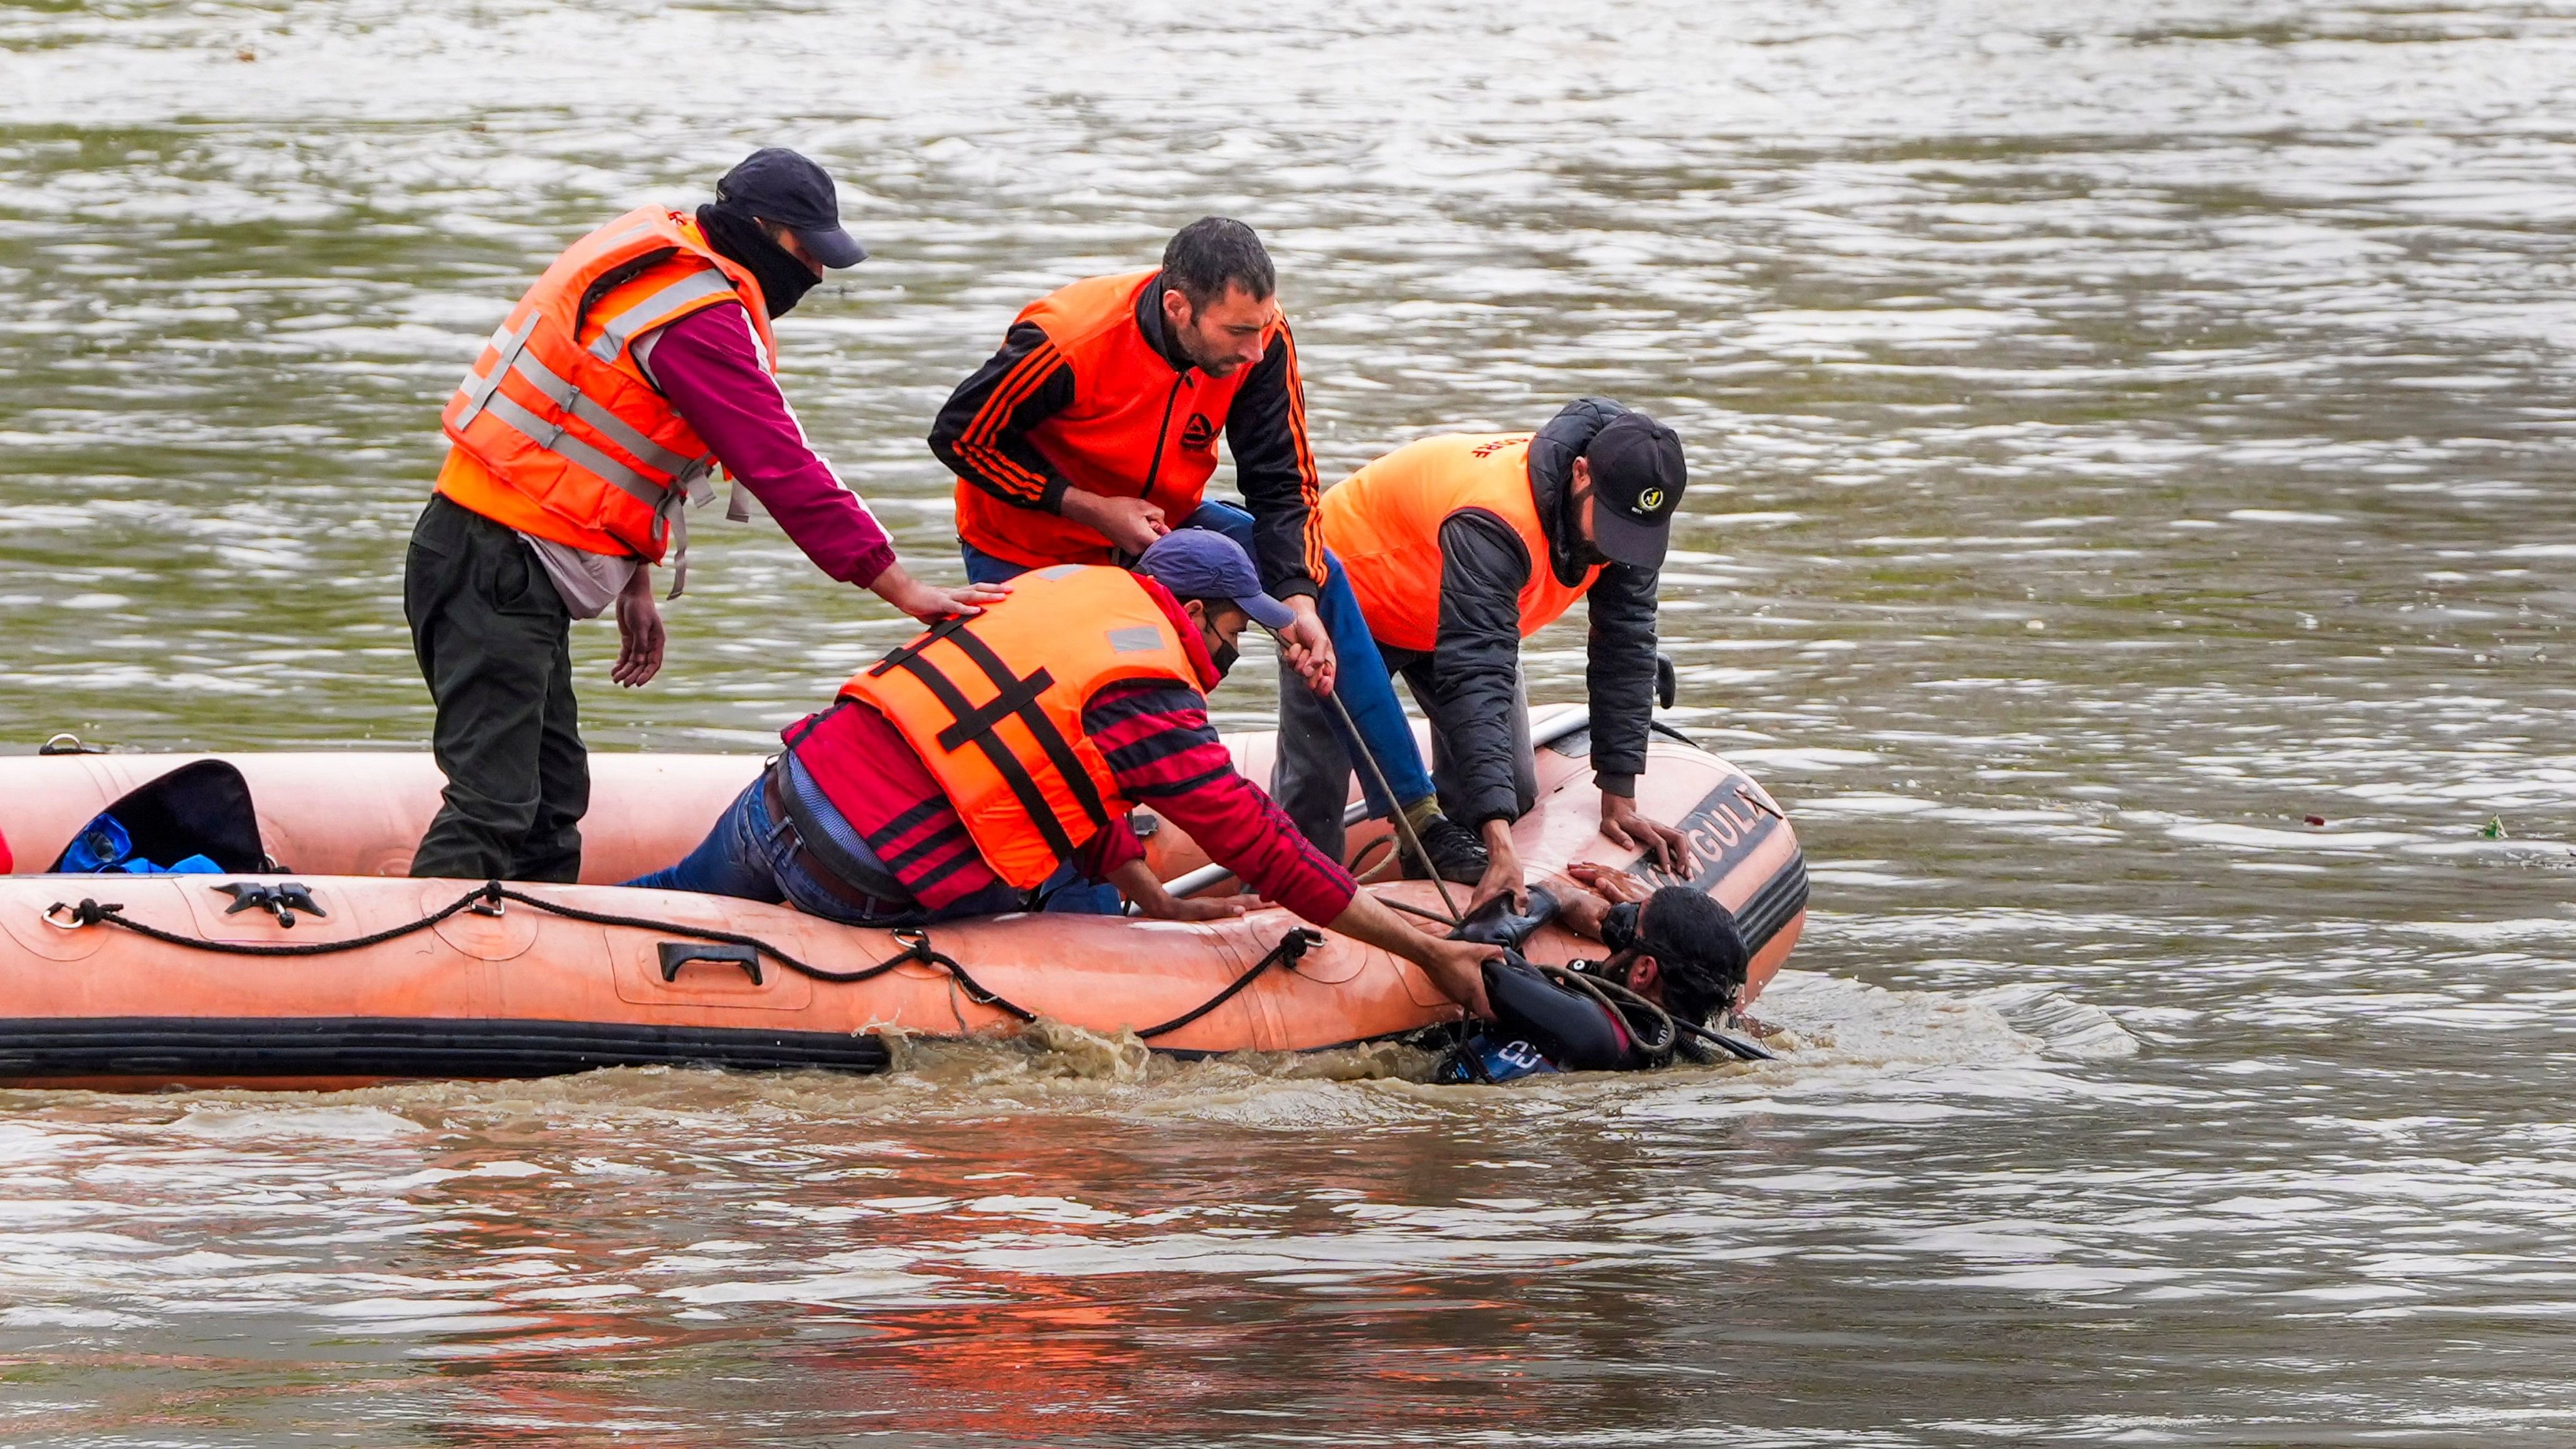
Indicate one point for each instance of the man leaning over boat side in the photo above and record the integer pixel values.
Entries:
(990, 765)
(640, 361)
(1093, 431)
(1461, 546)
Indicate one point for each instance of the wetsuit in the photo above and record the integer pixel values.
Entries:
(1538, 1027)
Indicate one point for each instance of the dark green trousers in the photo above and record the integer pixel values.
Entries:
(495, 643)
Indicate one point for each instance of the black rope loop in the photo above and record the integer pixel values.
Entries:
(1291, 949)
(488, 897)
(918, 949)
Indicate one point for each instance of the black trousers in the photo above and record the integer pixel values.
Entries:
(495, 643)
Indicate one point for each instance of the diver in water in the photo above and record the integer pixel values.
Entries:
(1676, 963)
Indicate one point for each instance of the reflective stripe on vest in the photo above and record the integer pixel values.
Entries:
(621, 327)
(578, 432)
(1384, 521)
(993, 706)
(482, 392)
(572, 400)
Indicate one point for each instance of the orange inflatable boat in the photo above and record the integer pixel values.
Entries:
(337, 970)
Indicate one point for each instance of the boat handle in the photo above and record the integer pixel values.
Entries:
(676, 954)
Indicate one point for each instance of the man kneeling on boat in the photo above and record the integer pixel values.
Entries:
(991, 763)
(1673, 953)
(1458, 548)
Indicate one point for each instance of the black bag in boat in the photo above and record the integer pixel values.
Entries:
(201, 808)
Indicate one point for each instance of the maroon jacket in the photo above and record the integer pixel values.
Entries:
(708, 365)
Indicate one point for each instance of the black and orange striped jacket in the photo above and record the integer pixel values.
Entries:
(1087, 393)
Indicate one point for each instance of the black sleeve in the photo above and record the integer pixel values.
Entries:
(1266, 429)
(982, 432)
(1476, 659)
(1619, 673)
(1573, 1031)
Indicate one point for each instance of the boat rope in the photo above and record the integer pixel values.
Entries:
(487, 898)
(1285, 955)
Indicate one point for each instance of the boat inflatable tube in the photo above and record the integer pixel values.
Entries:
(335, 970)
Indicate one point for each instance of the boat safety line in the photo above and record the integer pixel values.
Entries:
(488, 897)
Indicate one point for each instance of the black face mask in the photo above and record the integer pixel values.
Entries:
(784, 281)
(1586, 552)
(1224, 655)
(1619, 927)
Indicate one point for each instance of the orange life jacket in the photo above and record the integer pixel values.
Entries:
(557, 431)
(1135, 427)
(1384, 523)
(993, 705)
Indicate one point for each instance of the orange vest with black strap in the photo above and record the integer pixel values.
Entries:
(557, 431)
(993, 705)
(1135, 428)
(1384, 523)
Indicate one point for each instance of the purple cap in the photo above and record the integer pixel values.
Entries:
(1195, 563)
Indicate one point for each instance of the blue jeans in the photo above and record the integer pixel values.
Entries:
(751, 857)
(1362, 681)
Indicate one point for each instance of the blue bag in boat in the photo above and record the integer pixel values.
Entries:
(102, 844)
(199, 815)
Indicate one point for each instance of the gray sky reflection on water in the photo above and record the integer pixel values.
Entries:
(2118, 433)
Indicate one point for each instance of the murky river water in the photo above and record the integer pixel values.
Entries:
(2119, 432)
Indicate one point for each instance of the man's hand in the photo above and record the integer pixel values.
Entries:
(1599, 887)
(1137, 884)
(1612, 887)
(1621, 822)
(1308, 646)
(1130, 524)
(1203, 908)
(639, 632)
(1503, 870)
(929, 602)
(1458, 969)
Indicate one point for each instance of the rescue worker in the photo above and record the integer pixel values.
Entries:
(1675, 947)
(637, 364)
(992, 762)
(1461, 546)
(1093, 432)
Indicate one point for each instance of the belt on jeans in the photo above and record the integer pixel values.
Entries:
(818, 870)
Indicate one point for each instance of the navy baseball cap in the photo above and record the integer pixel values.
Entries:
(1197, 563)
(775, 184)
(1637, 479)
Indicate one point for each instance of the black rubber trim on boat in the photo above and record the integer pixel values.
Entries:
(162, 1047)
(1781, 898)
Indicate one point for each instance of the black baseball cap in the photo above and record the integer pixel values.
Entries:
(1637, 479)
(776, 184)
(1200, 563)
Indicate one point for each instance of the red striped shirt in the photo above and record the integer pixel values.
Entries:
(1161, 748)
